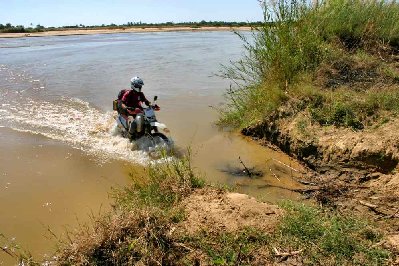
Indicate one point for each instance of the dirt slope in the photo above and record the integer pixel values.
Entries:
(356, 170)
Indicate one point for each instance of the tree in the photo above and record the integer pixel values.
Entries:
(39, 27)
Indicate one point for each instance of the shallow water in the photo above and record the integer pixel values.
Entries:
(58, 160)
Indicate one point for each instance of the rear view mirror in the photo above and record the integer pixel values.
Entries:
(155, 98)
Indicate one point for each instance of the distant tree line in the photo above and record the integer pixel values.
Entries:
(8, 28)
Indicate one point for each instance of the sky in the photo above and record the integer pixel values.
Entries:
(96, 12)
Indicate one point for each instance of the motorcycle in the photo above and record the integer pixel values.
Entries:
(142, 127)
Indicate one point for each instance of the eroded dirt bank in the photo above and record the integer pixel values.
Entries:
(354, 170)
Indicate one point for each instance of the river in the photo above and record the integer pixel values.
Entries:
(58, 159)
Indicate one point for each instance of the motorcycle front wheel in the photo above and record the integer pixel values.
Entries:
(160, 141)
(161, 146)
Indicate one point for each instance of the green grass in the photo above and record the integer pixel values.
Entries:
(340, 44)
(322, 236)
(349, 108)
(245, 247)
(165, 185)
(248, 105)
(329, 238)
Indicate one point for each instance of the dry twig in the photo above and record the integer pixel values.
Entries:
(274, 174)
(249, 173)
(285, 255)
(373, 207)
(395, 215)
(280, 162)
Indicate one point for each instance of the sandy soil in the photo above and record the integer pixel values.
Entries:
(110, 31)
(216, 211)
(219, 211)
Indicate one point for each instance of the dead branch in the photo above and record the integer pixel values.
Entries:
(183, 246)
(374, 208)
(249, 173)
(395, 215)
(371, 206)
(296, 170)
(303, 182)
(280, 162)
(299, 190)
(274, 174)
(238, 256)
(284, 255)
(8, 252)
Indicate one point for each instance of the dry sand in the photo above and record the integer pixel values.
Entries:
(216, 210)
(120, 30)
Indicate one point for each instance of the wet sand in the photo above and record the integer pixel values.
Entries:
(119, 30)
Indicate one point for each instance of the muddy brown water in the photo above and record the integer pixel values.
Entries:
(58, 159)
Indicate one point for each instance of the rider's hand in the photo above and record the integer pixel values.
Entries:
(130, 110)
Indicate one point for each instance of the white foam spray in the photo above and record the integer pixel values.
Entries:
(75, 123)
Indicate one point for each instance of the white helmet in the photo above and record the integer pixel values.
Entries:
(136, 83)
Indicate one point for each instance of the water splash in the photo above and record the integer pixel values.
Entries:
(75, 123)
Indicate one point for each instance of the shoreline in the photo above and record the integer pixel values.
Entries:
(70, 32)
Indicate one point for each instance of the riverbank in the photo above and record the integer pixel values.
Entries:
(69, 32)
(172, 218)
(326, 92)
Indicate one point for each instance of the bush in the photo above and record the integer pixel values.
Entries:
(165, 185)
(297, 40)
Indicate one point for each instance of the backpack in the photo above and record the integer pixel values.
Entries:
(121, 93)
(116, 102)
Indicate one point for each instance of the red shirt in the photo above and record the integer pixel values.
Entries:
(134, 99)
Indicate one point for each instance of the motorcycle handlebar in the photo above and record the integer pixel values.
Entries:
(132, 110)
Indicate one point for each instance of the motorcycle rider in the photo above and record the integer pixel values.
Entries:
(131, 105)
(133, 98)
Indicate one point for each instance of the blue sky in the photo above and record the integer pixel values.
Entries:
(97, 12)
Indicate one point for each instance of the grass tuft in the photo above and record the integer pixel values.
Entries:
(329, 238)
(164, 186)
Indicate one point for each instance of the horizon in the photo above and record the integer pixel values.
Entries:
(48, 13)
(138, 24)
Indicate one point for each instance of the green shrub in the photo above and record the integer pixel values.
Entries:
(296, 40)
(360, 23)
(329, 238)
(166, 184)
(353, 109)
